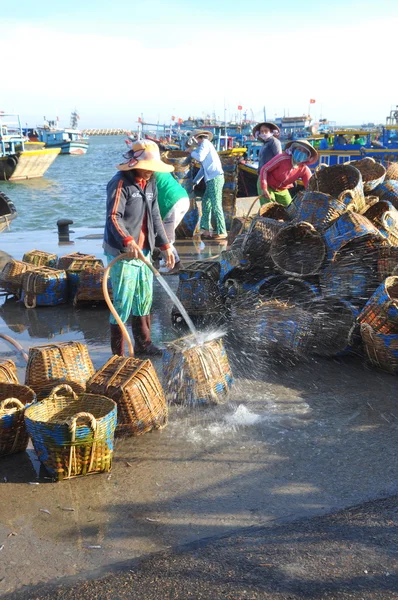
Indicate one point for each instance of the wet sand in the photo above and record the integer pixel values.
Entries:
(292, 441)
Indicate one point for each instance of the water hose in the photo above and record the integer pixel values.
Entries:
(109, 301)
(16, 345)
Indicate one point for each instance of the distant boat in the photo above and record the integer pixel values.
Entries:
(8, 212)
(19, 159)
(70, 140)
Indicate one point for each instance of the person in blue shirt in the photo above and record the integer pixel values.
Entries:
(324, 145)
(212, 171)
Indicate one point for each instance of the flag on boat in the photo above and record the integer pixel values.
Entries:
(312, 101)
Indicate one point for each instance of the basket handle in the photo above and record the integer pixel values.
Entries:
(5, 403)
(346, 194)
(385, 223)
(320, 167)
(72, 424)
(66, 388)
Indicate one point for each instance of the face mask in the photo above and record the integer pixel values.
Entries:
(265, 136)
(299, 156)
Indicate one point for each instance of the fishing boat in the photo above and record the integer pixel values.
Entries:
(18, 159)
(70, 140)
(8, 212)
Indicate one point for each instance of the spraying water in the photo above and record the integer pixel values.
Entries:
(180, 307)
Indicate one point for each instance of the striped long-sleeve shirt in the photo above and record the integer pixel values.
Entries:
(280, 174)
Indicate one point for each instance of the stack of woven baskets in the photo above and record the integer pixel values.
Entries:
(230, 161)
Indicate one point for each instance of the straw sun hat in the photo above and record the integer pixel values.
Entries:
(304, 144)
(144, 154)
(271, 126)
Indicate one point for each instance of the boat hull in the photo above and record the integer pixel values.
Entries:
(27, 165)
(8, 212)
(76, 148)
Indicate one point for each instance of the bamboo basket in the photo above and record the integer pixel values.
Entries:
(334, 325)
(135, 387)
(337, 181)
(51, 364)
(387, 263)
(73, 259)
(384, 216)
(198, 288)
(295, 290)
(40, 258)
(196, 374)
(274, 210)
(75, 265)
(239, 226)
(13, 435)
(298, 250)
(73, 435)
(373, 173)
(381, 349)
(8, 372)
(89, 288)
(352, 228)
(381, 311)
(388, 190)
(392, 171)
(229, 259)
(11, 276)
(260, 236)
(318, 209)
(44, 287)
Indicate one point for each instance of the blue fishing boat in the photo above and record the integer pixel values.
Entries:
(70, 140)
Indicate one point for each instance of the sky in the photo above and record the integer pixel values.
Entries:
(117, 60)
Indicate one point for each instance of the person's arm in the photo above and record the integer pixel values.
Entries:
(276, 147)
(201, 151)
(161, 239)
(199, 176)
(115, 207)
(263, 179)
(306, 175)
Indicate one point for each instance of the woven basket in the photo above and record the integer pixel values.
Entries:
(334, 324)
(351, 228)
(51, 364)
(135, 387)
(384, 216)
(11, 276)
(336, 181)
(90, 286)
(261, 233)
(280, 328)
(239, 226)
(44, 287)
(229, 259)
(40, 258)
(73, 259)
(381, 349)
(196, 374)
(351, 275)
(199, 296)
(75, 265)
(373, 173)
(298, 250)
(381, 311)
(203, 269)
(274, 210)
(392, 171)
(72, 435)
(294, 290)
(8, 372)
(180, 160)
(387, 262)
(318, 209)
(388, 190)
(13, 435)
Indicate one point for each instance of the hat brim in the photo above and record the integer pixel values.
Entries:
(200, 132)
(313, 153)
(268, 124)
(157, 166)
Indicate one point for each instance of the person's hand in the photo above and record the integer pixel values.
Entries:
(266, 194)
(190, 149)
(133, 249)
(169, 258)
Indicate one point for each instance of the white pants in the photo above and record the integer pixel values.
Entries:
(173, 219)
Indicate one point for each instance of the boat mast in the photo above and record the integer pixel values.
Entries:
(74, 117)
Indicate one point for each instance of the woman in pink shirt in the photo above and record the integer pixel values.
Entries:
(282, 171)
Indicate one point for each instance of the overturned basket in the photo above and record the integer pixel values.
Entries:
(319, 209)
(337, 181)
(89, 289)
(44, 287)
(295, 290)
(381, 349)
(373, 173)
(334, 325)
(381, 311)
(40, 258)
(13, 435)
(73, 435)
(136, 389)
(352, 228)
(259, 238)
(298, 250)
(388, 190)
(384, 216)
(274, 210)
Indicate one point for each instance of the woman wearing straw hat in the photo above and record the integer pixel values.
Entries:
(212, 171)
(133, 224)
(268, 133)
(281, 172)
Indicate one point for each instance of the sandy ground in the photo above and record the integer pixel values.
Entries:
(294, 441)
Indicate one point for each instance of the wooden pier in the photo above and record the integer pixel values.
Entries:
(107, 132)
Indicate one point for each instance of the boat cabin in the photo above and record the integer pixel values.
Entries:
(12, 138)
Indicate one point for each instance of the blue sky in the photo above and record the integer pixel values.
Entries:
(117, 59)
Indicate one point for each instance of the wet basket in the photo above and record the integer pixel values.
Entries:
(135, 387)
(318, 209)
(8, 372)
(76, 267)
(373, 173)
(384, 216)
(229, 259)
(381, 349)
(381, 311)
(334, 324)
(44, 287)
(11, 276)
(387, 263)
(336, 181)
(261, 233)
(298, 250)
(351, 228)
(274, 210)
(198, 288)
(294, 290)
(388, 190)
(89, 289)
(73, 435)
(51, 364)
(40, 258)
(196, 374)
(13, 435)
